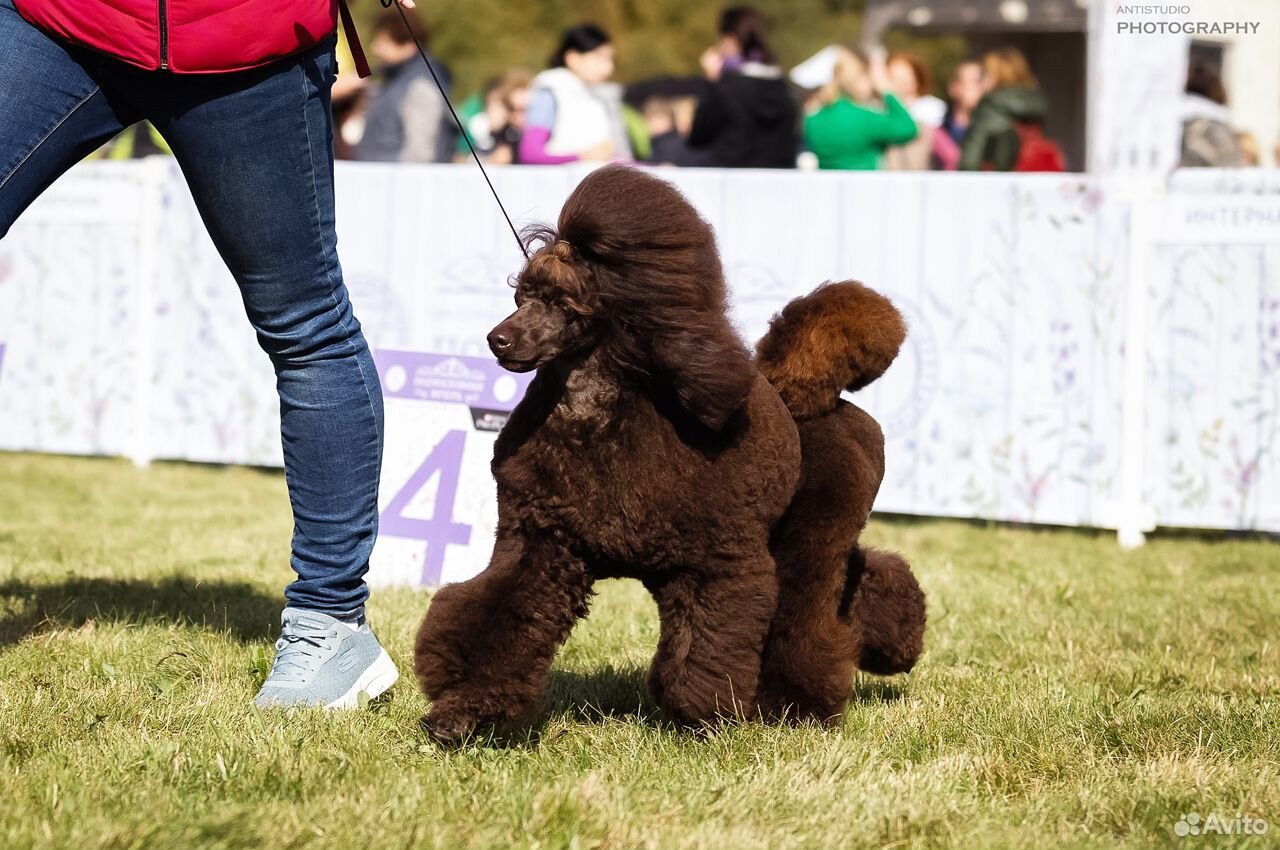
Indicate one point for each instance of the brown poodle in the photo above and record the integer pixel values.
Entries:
(651, 445)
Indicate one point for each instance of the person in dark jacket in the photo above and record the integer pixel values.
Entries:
(747, 118)
(1010, 114)
(406, 119)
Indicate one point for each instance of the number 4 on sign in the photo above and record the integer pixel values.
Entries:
(439, 530)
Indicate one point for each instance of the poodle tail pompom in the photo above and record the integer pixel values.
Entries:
(890, 607)
(842, 336)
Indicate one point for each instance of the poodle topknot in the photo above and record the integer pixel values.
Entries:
(652, 445)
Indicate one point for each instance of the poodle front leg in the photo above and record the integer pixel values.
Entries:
(485, 646)
(713, 630)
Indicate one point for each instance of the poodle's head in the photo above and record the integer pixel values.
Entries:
(556, 310)
(631, 269)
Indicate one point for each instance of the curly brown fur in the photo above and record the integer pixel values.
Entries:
(889, 605)
(648, 446)
(815, 641)
(842, 336)
(840, 607)
(631, 251)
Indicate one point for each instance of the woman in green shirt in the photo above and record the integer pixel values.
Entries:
(852, 129)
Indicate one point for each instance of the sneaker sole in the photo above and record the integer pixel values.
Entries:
(375, 681)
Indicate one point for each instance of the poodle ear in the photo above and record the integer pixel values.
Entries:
(708, 367)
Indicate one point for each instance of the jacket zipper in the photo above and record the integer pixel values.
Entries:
(164, 35)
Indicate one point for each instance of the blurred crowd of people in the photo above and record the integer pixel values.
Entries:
(839, 109)
(842, 109)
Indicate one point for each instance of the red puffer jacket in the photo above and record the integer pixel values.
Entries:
(187, 36)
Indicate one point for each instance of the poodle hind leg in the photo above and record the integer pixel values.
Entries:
(814, 643)
(484, 649)
(866, 612)
(889, 608)
(707, 665)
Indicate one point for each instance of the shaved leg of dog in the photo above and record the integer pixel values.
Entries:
(713, 629)
(484, 649)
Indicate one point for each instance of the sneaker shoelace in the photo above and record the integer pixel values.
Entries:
(302, 645)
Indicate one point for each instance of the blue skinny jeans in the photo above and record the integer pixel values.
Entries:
(256, 148)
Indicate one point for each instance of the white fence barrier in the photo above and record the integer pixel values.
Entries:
(122, 334)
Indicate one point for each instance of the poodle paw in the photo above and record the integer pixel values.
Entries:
(450, 726)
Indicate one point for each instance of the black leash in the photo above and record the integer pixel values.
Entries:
(456, 120)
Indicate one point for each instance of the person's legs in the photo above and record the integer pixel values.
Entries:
(256, 149)
(53, 111)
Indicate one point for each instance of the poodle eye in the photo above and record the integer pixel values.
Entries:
(573, 310)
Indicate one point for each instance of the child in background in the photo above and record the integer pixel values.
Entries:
(667, 121)
(495, 119)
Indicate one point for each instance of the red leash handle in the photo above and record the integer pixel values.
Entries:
(353, 40)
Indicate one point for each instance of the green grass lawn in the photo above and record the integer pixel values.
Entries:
(1071, 695)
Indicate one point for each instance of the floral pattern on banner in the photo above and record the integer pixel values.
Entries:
(68, 291)
(1214, 387)
(1225, 181)
(213, 388)
(1005, 403)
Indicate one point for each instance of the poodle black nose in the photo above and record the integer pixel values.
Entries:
(500, 341)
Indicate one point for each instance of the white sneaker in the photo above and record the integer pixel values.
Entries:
(322, 662)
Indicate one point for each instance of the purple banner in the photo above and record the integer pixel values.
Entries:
(489, 392)
(1, 358)
(473, 381)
